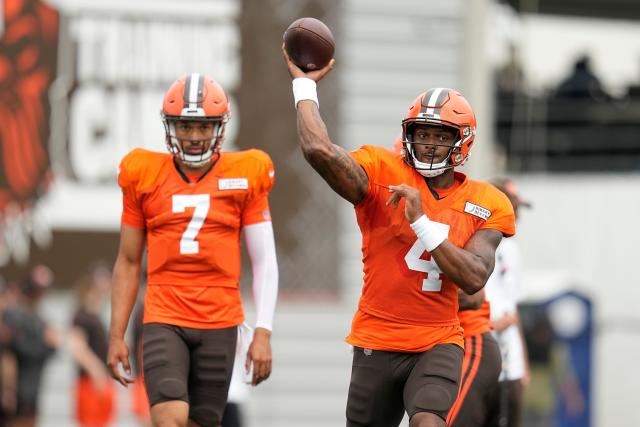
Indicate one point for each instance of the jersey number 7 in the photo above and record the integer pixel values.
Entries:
(431, 283)
(179, 203)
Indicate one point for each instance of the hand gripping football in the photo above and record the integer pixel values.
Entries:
(309, 43)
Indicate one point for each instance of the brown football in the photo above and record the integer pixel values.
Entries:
(309, 43)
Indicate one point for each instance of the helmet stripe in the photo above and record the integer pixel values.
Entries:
(425, 102)
(193, 91)
(432, 102)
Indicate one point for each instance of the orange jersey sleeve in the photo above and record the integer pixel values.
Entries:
(128, 177)
(402, 283)
(193, 233)
(502, 217)
(257, 206)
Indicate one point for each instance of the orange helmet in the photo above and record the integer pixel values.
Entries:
(195, 98)
(440, 107)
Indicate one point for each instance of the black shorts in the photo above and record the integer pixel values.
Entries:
(479, 385)
(384, 384)
(193, 365)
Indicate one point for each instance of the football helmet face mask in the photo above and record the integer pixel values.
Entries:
(195, 98)
(439, 107)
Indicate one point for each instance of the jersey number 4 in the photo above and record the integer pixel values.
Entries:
(432, 282)
(180, 202)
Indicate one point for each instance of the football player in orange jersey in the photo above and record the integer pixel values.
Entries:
(407, 339)
(189, 207)
(480, 367)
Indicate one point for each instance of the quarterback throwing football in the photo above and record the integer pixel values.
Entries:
(426, 231)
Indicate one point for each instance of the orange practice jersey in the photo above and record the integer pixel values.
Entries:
(193, 232)
(475, 322)
(407, 303)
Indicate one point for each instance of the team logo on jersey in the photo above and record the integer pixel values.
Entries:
(233, 184)
(476, 210)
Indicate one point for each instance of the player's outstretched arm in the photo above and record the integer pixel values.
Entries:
(468, 267)
(341, 171)
(126, 281)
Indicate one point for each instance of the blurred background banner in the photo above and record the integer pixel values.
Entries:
(95, 93)
(558, 329)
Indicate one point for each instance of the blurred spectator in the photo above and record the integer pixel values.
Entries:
(7, 393)
(139, 399)
(503, 290)
(95, 393)
(510, 77)
(582, 83)
(240, 380)
(31, 342)
(633, 91)
(510, 95)
(9, 295)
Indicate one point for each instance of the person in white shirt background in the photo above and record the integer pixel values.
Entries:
(503, 291)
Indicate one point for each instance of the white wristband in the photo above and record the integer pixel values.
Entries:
(429, 233)
(304, 88)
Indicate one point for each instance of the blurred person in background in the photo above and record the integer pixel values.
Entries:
(503, 290)
(9, 296)
(633, 90)
(32, 342)
(480, 366)
(510, 78)
(582, 83)
(239, 389)
(408, 344)
(189, 208)
(94, 393)
(7, 391)
(139, 398)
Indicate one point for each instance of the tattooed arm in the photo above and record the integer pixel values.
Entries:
(333, 163)
(341, 171)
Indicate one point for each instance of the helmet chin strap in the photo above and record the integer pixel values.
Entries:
(195, 161)
(429, 170)
(431, 173)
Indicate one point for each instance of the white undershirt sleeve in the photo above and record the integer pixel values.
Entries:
(264, 266)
